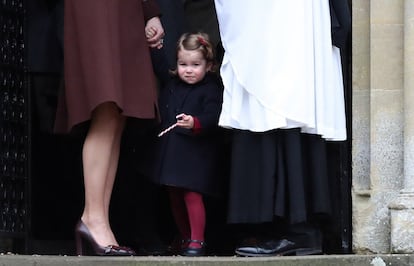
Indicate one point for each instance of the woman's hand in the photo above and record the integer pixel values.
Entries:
(185, 121)
(154, 32)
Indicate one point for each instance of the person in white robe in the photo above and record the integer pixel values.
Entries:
(283, 99)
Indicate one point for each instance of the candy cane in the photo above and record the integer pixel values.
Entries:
(166, 130)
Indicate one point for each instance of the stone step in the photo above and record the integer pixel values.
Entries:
(320, 260)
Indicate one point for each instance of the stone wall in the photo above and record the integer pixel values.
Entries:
(383, 126)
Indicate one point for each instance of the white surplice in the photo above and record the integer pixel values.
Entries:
(280, 69)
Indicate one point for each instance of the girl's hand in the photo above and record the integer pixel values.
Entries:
(154, 33)
(185, 121)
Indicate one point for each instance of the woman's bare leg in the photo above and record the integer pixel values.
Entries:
(98, 170)
(113, 163)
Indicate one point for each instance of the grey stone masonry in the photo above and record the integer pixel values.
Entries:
(383, 126)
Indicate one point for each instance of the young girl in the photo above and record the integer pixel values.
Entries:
(187, 155)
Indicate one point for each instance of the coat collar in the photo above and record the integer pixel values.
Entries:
(209, 77)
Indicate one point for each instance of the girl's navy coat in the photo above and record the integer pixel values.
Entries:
(185, 158)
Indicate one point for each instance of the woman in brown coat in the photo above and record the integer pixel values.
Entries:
(108, 77)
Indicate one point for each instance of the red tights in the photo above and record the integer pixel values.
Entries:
(189, 214)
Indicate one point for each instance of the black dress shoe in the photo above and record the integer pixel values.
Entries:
(194, 252)
(279, 247)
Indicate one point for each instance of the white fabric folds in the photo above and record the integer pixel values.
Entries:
(280, 69)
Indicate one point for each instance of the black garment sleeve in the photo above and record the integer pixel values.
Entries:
(340, 22)
(161, 66)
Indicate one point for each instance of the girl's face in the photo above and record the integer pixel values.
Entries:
(191, 66)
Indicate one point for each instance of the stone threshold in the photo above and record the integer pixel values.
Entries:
(322, 260)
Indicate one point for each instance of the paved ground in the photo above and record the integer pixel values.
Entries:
(323, 260)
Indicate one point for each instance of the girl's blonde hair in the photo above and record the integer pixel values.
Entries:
(197, 41)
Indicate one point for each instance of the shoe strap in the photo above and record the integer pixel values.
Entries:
(202, 243)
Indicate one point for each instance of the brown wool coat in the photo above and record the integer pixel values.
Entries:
(107, 59)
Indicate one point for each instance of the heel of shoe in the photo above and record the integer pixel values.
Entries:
(78, 241)
(83, 240)
(85, 243)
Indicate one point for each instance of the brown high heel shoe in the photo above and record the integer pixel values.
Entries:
(84, 238)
